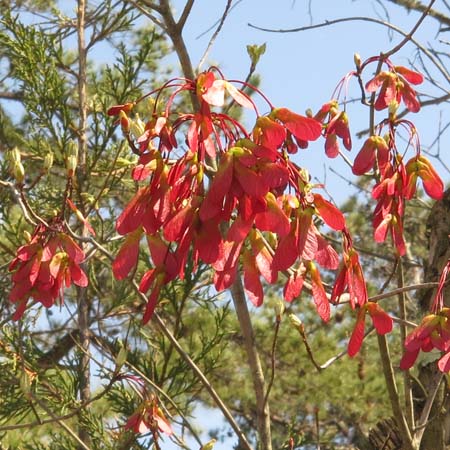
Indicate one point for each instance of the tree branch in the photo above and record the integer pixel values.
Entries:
(420, 7)
(185, 14)
(215, 34)
(262, 408)
(406, 378)
(82, 293)
(327, 23)
(394, 398)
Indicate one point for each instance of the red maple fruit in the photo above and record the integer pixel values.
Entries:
(226, 197)
(380, 319)
(420, 167)
(394, 86)
(350, 277)
(149, 418)
(374, 149)
(44, 266)
(433, 331)
(335, 125)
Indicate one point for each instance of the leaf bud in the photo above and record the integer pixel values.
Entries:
(137, 127)
(72, 158)
(393, 107)
(357, 60)
(25, 383)
(27, 235)
(121, 357)
(124, 122)
(14, 155)
(18, 172)
(72, 149)
(295, 321)
(48, 162)
(255, 52)
(279, 308)
(71, 165)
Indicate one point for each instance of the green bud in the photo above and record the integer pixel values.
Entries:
(137, 126)
(72, 149)
(48, 161)
(71, 158)
(71, 165)
(255, 52)
(18, 172)
(14, 155)
(295, 321)
(279, 308)
(121, 357)
(25, 383)
(209, 445)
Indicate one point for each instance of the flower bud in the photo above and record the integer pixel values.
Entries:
(124, 122)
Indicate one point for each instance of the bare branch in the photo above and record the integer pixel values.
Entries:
(185, 14)
(409, 36)
(418, 6)
(215, 34)
(327, 23)
(394, 398)
(262, 409)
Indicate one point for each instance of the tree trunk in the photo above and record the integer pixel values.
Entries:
(437, 432)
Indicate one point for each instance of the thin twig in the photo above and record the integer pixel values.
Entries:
(206, 384)
(272, 359)
(431, 395)
(63, 425)
(424, 50)
(262, 408)
(409, 36)
(82, 293)
(411, 287)
(215, 34)
(185, 14)
(394, 398)
(406, 378)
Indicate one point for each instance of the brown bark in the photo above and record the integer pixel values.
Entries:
(436, 434)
